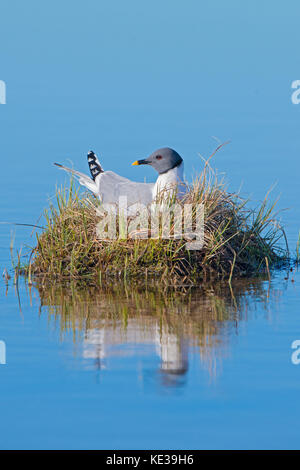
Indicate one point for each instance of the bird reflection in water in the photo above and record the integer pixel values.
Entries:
(102, 343)
(123, 320)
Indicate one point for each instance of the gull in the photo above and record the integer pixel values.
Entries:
(109, 187)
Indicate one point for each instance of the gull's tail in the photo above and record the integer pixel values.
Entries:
(83, 179)
(94, 165)
(95, 169)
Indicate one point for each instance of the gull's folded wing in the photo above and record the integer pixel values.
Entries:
(112, 187)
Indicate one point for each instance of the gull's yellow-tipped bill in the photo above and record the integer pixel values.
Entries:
(135, 163)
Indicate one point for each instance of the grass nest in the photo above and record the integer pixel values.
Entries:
(238, 241)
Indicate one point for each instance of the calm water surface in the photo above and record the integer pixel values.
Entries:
(128, 367)
(125, 367)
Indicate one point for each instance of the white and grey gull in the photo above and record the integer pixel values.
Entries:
(110, 186)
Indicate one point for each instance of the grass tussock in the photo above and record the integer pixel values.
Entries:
(238, 241)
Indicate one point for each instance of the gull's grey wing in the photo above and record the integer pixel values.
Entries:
(112, 186)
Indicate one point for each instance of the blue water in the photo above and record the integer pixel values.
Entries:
(124, 78)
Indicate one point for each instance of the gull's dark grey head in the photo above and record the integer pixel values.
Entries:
(162, 160)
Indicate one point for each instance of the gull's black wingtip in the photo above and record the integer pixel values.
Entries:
(94, 165)
(58, 164)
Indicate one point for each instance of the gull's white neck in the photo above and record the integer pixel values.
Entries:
(169, 180)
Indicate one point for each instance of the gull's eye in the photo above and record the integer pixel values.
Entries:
(158, 157)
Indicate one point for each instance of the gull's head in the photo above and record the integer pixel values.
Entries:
(162, 160)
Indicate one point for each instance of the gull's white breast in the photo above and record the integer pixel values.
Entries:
(170, 181)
